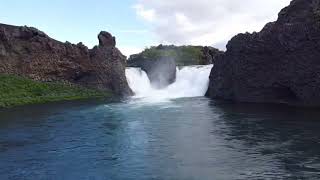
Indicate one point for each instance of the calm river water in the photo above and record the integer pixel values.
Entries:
(182, 139)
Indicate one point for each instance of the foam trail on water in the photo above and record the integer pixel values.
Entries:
(191, 81)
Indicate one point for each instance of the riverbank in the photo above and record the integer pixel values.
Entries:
(17, 91)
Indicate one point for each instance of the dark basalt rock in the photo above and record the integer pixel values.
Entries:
(106, 39)
(161, 71)
(209, 55)
(280, 64)
(28, 52)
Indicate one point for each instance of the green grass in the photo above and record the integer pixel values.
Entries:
(16, 91)
(184, 55)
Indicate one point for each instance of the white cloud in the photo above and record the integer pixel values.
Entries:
(146, 14)
(206, 22)
(129, 50)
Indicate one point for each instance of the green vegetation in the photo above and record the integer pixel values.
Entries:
(184, 55)
(15, 91)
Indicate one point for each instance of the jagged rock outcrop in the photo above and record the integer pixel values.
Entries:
(209, 55)
(28, 52)
(161, 71)
(280, 64)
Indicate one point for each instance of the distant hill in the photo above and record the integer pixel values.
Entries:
(183, 55)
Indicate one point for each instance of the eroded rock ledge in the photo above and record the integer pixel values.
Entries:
(280, 64)
(28, 52)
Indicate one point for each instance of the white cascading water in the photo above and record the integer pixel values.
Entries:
(191, 81)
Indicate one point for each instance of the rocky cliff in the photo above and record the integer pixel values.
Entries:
(209, 55)
(161, 71)
(280, 64)
(28, 52)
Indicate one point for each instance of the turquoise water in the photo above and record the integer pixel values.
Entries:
(182, 139)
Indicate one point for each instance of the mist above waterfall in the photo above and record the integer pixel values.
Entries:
(191, 81)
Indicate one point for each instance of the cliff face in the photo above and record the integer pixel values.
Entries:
(280, 64)
(28, 52)
(161, 71)
(209, 55)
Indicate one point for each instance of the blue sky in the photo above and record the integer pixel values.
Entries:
(141, 23)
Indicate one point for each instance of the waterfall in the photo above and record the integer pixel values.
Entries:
(191, 81)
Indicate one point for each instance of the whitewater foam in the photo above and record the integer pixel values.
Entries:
(191, 81)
